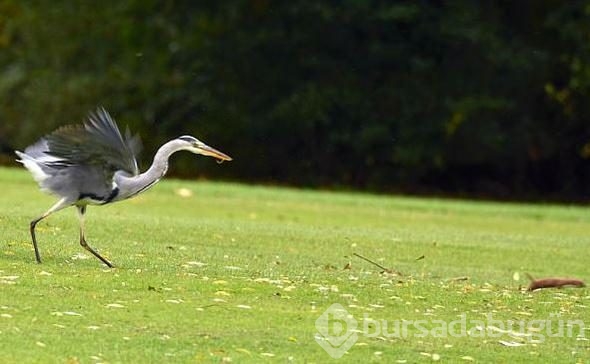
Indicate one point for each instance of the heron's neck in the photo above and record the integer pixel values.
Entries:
(130, 186)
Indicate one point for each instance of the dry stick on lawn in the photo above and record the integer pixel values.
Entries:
(553, 283)
(387, 270)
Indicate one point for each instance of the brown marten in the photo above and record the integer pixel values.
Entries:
(553, 283)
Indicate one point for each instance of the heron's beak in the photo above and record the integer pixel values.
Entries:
(212, 152)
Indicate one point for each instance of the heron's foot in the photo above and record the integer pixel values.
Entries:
(87, 247)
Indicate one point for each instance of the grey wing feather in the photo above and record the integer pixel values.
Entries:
(97, 142)
(37, 150)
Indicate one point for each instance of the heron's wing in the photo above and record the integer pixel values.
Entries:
(97, 142)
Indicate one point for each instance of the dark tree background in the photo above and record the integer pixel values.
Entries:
(460, 97)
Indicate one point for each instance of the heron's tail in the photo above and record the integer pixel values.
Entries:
(33, 166)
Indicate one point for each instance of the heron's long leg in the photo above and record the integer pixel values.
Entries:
(58, 206)
(81, 212)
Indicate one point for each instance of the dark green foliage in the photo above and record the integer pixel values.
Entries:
(460, 96)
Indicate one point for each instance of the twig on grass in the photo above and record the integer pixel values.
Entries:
(552, 282)
(386, 270)
(211, 305)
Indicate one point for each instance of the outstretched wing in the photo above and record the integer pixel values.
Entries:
(97, 142)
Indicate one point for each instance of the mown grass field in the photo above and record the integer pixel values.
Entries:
(216, 272)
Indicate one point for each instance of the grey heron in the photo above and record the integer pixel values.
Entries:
(94, 164)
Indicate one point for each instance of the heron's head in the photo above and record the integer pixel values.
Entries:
(196, 146)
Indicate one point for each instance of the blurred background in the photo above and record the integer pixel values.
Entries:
(461, 98)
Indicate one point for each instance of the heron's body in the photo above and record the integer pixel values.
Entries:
(95, 164)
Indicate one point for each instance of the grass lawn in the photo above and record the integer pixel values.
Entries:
(217, 272)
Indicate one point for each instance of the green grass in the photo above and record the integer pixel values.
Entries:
(240, 273)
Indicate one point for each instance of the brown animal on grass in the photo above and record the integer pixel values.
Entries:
(552, 282)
